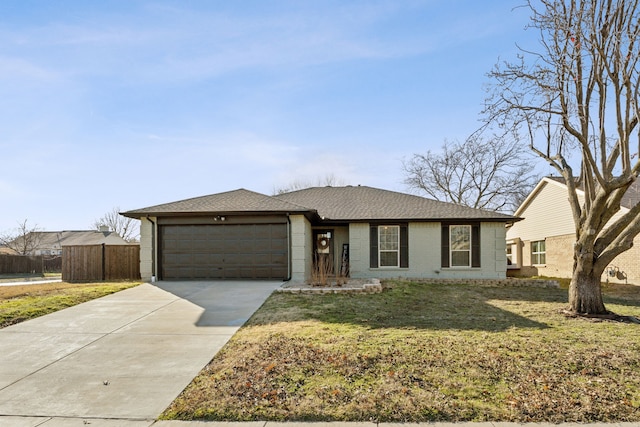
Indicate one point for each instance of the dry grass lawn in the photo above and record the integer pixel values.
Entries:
(20, 303)
(424, 352)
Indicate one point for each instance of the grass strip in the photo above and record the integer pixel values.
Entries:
(20, 303)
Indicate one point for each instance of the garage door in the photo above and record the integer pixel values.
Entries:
(224, 251)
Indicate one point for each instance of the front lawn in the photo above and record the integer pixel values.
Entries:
(20, 303)
(423, 352)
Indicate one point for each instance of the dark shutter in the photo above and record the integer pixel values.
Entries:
(475, 245)
(444, 247)
(373, 246)
(404, 246)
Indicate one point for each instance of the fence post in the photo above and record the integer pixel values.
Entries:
(104, 262)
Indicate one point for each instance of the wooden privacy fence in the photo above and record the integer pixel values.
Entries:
(21, 264)
(100, 262)
(52, 264)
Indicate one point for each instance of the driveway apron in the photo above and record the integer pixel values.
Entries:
(126, 355)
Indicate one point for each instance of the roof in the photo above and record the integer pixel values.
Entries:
(49, 239)
(350, 203)
(354, 203)
(241, 201)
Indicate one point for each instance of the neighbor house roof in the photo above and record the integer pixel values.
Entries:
(350, 203)
(353, 203)
(50, 239)
(241, 201)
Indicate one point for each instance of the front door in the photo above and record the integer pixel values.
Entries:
(323, 252)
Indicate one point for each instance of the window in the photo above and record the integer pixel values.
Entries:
(460, 245)
(509, 254)
(389, 246)
(538, 252)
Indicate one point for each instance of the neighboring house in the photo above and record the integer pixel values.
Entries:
(542, 243)
(51, 242)
(362, 231)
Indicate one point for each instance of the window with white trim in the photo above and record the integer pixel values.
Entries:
(460, 245)
(389, 246)
(538, 252)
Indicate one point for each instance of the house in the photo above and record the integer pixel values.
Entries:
(542, 243)
(51, 242)
(357, 230)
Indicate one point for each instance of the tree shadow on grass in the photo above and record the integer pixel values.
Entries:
(417, 305)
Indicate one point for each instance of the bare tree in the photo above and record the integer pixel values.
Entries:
(127, 228)
(327, 180)
(487, 174)
(578, 101)
(23, 240)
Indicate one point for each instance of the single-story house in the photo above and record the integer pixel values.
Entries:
(542, 243)
(51, 242)
(362, 232)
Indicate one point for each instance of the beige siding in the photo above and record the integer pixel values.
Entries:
(301, 252)
(548, 217)
(548, 214)
(146, 249)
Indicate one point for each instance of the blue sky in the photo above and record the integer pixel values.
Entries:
(134, 103)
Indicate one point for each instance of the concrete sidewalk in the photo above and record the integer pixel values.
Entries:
(29, 282)
(76, 422)
(124, 356)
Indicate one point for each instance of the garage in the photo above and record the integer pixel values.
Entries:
(228, 248)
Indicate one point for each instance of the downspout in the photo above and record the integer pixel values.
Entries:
(153, 249)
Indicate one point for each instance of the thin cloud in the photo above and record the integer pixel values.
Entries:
(179, 43)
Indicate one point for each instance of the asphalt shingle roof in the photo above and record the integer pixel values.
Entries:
(240, 200)
(55, 239)
(350, 203)
(355, 203)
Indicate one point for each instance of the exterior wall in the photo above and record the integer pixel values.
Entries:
(424, 254)
(359, 250)
(547, 216)
(559, 256)
(146, 249)
(626, 267)
(548, 213)
(301, 248)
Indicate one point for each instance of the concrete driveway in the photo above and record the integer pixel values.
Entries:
(125, 356)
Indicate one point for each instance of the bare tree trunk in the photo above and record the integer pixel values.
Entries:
(585, 294)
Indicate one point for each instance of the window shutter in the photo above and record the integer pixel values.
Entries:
(404, 246)
(373, 246)
(475, 245)
(444, 247)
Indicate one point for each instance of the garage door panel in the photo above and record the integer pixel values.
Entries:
(224, 251)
